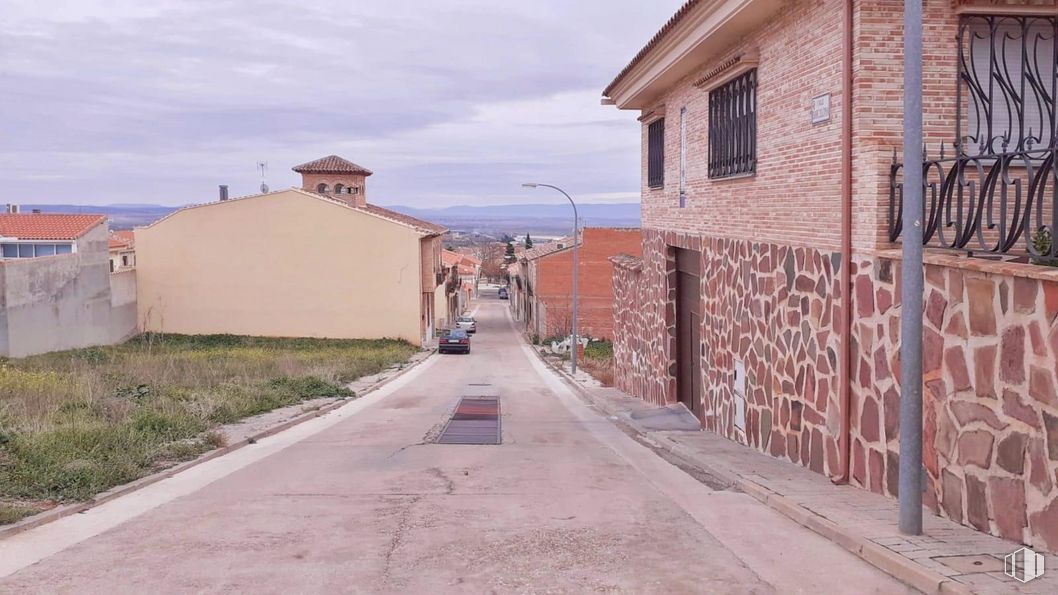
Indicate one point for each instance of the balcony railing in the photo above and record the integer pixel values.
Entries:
(990, 203)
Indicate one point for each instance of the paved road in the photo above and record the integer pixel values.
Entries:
(358, 501)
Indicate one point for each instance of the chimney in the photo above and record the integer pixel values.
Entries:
(12, 209)
(224, 192)
(36, 211)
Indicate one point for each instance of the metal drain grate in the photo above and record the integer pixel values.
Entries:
(476, 421)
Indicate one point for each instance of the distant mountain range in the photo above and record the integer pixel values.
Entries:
(513, 219)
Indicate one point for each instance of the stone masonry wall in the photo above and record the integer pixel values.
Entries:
(990, 410)
(772, 307)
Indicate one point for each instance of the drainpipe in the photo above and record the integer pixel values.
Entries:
(845, 324)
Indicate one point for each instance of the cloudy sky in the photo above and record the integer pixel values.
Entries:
(448, 101)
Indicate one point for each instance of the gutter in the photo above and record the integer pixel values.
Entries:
(845, 323)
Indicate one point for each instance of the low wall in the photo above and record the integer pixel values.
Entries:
(990, 411)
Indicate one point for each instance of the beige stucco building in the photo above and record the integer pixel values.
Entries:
(291, 263)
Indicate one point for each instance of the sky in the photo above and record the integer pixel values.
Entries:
(447, 101)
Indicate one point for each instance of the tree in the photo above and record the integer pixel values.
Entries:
(491, 255)
(528, 242)
(509, 256)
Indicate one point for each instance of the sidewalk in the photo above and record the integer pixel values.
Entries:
(948, 558)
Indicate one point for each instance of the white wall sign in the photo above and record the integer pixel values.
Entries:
(821, 108)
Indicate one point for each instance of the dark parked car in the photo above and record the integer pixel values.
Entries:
(454, 341)
(503, 293)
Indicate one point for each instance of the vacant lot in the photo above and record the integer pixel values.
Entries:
(75, 423)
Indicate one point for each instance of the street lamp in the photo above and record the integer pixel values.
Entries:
(576, 266)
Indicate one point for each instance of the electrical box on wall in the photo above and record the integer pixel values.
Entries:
(739, 390)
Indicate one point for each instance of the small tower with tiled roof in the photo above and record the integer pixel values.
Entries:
(337, 178)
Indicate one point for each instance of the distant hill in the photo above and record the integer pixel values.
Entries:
(121, 216)
(546, 219)
(513, 219)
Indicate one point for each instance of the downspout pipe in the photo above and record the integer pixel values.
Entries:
(845, 276)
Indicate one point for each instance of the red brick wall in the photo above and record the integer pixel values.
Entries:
(554, 282)
(311, 181)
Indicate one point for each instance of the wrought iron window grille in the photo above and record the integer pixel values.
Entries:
(733, 127)
(996, 193)
(656, 153)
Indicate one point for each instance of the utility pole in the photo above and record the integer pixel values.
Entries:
(910, 478)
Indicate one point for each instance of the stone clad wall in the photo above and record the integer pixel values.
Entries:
(990, 412)
(772, 307)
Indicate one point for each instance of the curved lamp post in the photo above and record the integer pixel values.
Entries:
(576, 262)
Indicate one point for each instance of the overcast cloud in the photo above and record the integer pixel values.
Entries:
(448, 101)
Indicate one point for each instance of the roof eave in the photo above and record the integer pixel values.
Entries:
(707, 29)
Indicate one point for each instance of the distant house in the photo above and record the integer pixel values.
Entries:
(542, 283)
(55, 288)
(316, 261)
(122, 246)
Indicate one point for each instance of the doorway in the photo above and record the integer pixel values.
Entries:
(689, 329)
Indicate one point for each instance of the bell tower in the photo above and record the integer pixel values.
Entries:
(336, 178)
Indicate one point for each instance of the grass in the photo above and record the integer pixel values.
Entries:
(75, 423)
(598, 361)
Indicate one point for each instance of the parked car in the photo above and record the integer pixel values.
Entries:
(503, 293)
(467, 323)
(454, 341)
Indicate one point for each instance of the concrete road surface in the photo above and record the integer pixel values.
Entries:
(360, 501)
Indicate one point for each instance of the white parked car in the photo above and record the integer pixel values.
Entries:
(467, 323)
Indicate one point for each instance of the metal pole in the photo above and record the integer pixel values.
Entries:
(910, 479)
(576, 268)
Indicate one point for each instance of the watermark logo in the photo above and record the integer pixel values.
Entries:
(1023, 565)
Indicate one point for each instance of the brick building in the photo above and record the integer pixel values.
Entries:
(766, 298)
(547, 273)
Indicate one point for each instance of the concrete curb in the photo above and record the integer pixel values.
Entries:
(66, 510)
(882, 558)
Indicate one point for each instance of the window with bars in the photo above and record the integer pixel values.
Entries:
(733, 127)
(1007, 76)
(656, 153)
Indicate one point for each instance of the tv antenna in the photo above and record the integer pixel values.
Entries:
(262, 166)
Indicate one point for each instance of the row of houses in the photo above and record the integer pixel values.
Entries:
(541, 283)
(314, 261)
(766, 295)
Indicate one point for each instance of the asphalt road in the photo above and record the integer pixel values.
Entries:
(360, 500)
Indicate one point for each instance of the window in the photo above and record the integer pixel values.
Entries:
(733, 127)
(339, 189)
(321, 188)
(34, 250)
(356, 190)
(1006, 83)
(656, 153)
(683, 157)
(124, 260)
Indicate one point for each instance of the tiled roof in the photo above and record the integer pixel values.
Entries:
(471, 260)
(420, 225)
(331, 164)
(47, 226)
(545, 249)
(121, 240)
(627, 261)
(450, 258)
(672, 22)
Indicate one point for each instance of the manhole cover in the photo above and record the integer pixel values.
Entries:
(476, 421)
(972, 563)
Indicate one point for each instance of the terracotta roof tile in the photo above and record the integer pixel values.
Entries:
(668, 26)
(450, 258)
(419, 224)
(122, 240)
(47, 226)
(332, 164)
(548, 248)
